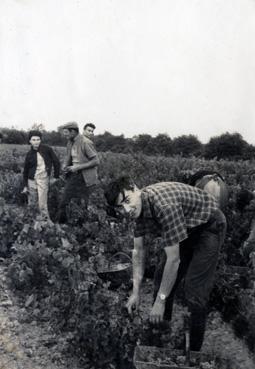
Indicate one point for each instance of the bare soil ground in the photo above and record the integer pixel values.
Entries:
(26, 345)
(29, 345)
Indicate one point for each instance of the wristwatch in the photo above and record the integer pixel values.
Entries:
(162, 297)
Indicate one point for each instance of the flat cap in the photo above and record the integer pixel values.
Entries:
(70, 125)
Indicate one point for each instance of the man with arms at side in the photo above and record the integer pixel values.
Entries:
(192, 228)
(37, 170)
(80, 167)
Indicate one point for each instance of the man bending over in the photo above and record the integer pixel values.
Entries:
(192, 228)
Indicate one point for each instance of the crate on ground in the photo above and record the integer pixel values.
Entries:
(234, 269)
(150, 357)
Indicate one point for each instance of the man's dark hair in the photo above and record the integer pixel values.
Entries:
(1, 136)
(116, 187)
(34, 132)
(89, 125)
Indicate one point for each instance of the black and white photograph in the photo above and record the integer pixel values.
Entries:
(127, 184)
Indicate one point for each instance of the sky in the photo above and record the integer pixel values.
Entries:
(130, 67)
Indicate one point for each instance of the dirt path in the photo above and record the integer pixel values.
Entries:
(25, 345)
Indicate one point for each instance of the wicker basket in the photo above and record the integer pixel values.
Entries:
(116, 271)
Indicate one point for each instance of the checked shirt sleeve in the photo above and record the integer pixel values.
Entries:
(173, 226)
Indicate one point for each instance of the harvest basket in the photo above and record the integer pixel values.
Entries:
(149, 357)
(116, 269)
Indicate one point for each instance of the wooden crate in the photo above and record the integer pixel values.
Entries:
(150, 357)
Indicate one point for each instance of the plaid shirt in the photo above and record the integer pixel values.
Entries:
(171, 208)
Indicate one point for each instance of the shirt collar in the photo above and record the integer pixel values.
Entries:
(146, 205)
(88, 139)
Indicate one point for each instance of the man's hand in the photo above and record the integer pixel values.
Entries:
(157, 312)
(53, 180)
(25, 190)
(73, 168)
(133, 302)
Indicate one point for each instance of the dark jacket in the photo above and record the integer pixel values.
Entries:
(49, 157)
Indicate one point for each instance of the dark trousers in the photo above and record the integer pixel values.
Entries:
(75, 187)
(198, 261)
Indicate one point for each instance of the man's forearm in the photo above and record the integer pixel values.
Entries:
(168, 277)
(138, 260)
(170, 269)
(90, 164)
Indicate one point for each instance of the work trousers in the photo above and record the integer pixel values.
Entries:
(75, 187)
(198, 261)
(38, 193)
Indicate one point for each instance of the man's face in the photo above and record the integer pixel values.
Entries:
(35, 142)
(129, 203)
(88, 132)
(69, 135)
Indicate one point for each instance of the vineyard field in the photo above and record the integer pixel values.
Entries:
(50, 273)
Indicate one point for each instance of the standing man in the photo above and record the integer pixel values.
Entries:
(37, 170)
(80, 167)
(192, 228)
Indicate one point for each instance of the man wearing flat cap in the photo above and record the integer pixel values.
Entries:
(80, 167)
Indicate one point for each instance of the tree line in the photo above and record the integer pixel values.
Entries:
(225, 146)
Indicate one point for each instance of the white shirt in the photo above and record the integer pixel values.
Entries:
(40, 169)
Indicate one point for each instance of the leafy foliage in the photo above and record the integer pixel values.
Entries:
(53, 270)
(226, 146)
(187, 145)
